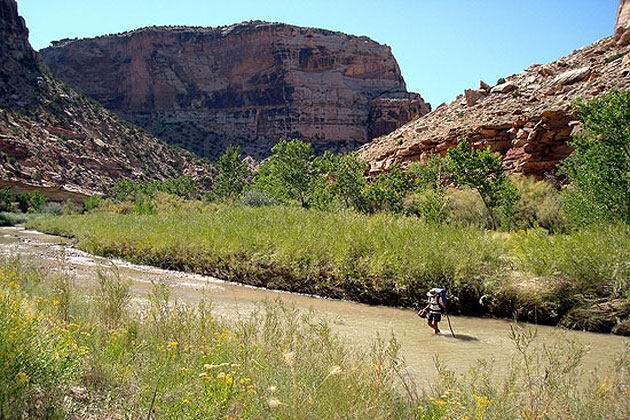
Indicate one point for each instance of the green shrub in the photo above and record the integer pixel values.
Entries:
(12, 219)
(467, 208)
(6, 199)
(539, 205)
(31, 202)
(92, 203)
(255, 198)
(430, 205)
(52, 208)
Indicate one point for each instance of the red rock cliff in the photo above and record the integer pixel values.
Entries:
(56, 140)
(527, 118)
(249, 84)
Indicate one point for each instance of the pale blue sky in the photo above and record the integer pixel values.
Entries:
(442, 46)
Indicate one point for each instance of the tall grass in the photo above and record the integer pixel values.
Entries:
(376, 259)
(165, 359)
(383, 259)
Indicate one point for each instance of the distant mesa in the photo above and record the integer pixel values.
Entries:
(249, 84)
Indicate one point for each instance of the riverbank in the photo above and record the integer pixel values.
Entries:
(579, 280)
(100, 351)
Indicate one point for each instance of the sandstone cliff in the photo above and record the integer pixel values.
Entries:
(249, 84)
(55, 139)
(527, 117)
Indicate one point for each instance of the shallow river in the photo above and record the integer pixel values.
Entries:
(479, 337)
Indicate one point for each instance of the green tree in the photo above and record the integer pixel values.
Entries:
(5, 199)
(233, 174)
(289, 174)
(31, 202)
(482, 171)
(428, 175)
(349, 179)
(387, 191)
(599, 167)
(429, 199)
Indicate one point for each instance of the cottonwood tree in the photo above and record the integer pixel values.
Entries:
(599, 167)
(349, 179)
(289, 174)
(233, 174)
(482, 171)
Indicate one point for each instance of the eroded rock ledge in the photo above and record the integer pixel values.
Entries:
(249, 84)
(527, 118)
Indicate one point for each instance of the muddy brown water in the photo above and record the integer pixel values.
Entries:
(478, 338)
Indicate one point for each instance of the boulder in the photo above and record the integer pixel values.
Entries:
(472, 96)
(506, 87)
(572, 76)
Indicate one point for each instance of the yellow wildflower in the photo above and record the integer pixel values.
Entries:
(289, 358)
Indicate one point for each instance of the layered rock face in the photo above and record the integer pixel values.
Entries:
(249, 84)
(18, 62)
(622, 24)
(58, 141)
(527, 118)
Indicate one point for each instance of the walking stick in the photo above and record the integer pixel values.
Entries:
(449, 324)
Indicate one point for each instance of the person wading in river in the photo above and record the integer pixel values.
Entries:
(435, 307)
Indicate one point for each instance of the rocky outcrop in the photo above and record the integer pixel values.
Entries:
(248, 84)
(622, 24)
(527, 117)
(55, 139)
(18, 62)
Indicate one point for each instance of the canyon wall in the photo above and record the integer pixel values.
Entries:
(526, 117)
(249, 84)
(57, 141)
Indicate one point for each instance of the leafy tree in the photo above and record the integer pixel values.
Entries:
(31, 202)
(482, 171)
(233, 174)
(5, 199)
(289, 174)
(429, 199)
(349, 179)
(387, 191)
(599, 167)
(428, 175)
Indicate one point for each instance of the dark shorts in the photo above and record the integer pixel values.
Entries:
(435, 316)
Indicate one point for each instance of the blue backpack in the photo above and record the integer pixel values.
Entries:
(442, 294)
